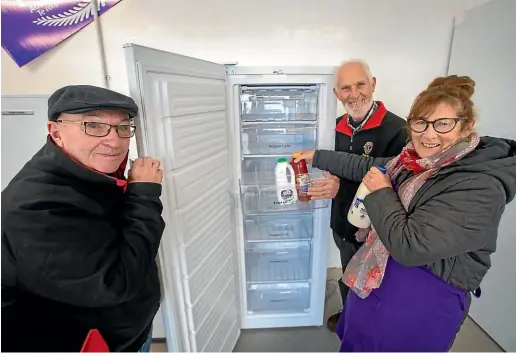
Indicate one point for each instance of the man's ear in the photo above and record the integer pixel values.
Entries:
(373, 83)
(53, 131)
(335, 92)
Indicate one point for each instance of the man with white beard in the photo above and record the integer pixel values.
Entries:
(367, 129)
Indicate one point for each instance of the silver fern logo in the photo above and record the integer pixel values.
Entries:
(80, 12)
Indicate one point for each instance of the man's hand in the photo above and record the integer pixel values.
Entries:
(326, 188)
(308, 156)
(145, 170)
(375, 180)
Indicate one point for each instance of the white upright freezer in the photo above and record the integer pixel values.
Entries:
(232, 257)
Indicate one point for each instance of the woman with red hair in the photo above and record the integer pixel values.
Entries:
(434, 222)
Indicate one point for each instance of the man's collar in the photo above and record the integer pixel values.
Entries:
(354, 126)
(373, 121)
(76, 166)
(371, 110)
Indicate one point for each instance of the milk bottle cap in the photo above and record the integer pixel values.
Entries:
(282, 160)
(382, 169)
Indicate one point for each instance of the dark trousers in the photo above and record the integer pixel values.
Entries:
(347, 250)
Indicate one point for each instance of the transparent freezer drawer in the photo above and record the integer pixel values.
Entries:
(278, 262)
(263, 199)
(279, 228)
(278, 139)
(278, 298)
(279, 103)
(260, 170)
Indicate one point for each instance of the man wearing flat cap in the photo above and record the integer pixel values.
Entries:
(79, 240)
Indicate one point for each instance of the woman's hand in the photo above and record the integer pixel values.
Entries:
(308, 156)
(375, 180)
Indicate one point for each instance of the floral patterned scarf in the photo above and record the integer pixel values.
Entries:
(366, 269)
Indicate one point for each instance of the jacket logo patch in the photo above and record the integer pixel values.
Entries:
(368, 148)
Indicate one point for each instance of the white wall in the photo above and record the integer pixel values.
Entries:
(406, 42)
(494, 30)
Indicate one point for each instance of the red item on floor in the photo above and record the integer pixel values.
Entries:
(94, 342)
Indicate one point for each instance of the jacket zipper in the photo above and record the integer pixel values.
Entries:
(359, 128)
(351, 141)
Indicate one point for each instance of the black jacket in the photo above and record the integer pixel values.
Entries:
(383, 135)
(78, 252)
(451, 225)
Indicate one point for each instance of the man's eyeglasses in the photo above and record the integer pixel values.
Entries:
(441, 126)
(102, 129)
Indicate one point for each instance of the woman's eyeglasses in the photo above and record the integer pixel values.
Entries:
(441, 126)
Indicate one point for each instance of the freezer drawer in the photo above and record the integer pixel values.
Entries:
(262, 199)
(278, 262)
(279, 228)
(278, 298)
(277, 139)
(279, 103)
(260, 170)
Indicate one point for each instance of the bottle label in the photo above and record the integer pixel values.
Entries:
(303, 183)
(286, 194)
(287, 197)
(358, 206)
(358, 202)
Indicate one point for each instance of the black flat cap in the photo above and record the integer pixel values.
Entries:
(83, 98)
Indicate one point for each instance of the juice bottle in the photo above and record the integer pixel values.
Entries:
(302, 178)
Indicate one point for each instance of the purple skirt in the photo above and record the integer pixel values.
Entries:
(412, 311)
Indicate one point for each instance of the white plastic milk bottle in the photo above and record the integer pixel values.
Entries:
(357, 214)
(286, 191)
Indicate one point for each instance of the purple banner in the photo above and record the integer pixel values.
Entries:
(31, 28)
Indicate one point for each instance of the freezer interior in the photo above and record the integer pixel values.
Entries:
(279, 103)
(276, 121)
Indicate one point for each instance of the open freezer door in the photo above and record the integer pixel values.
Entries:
(183, 122)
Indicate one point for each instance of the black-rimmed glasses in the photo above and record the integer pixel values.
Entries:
(125, 130)
(441, 126)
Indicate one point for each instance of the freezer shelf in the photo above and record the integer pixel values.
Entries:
(261, 197)
(259, 200)
(260, 170)
(278, 228)
(278, 262)
(277, 139)
(278, 298)
(279, 103)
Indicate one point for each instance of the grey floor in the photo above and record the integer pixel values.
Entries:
(471, 338)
